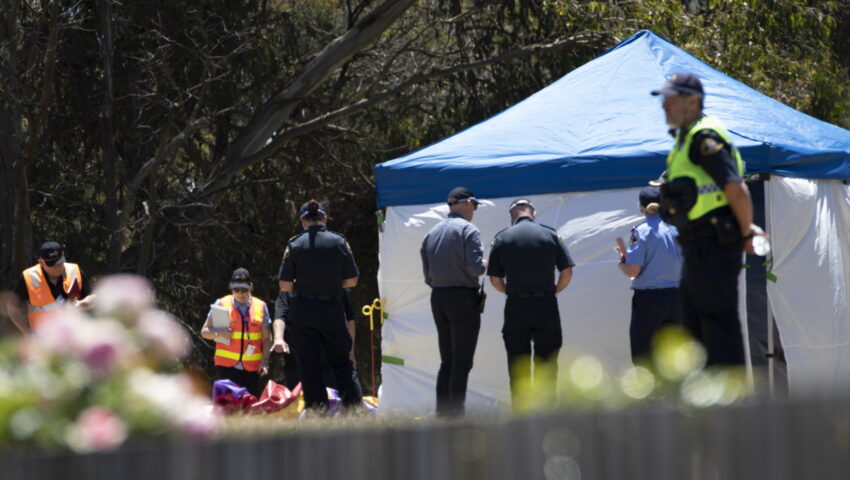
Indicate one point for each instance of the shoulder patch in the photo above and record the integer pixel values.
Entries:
(633, 239)
(347, 246)
(286, 252)
(709, 146)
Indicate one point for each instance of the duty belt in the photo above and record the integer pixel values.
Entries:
(323, 298)
(531, 294)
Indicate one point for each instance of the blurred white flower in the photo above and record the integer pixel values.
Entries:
(123, 297)
(164, 336)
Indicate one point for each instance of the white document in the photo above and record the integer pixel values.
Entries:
(220, 319)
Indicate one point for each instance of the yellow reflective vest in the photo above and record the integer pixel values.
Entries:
(709, 195)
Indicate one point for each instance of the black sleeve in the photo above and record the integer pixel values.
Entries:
(712, 153)
(287, 266)
(564, 260)
(281, 306)
(346, 304)
(349, 268)
(494, 264)
(85, 289)
(21, 290)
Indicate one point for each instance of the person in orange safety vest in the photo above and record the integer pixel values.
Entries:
(242, 347)
(46, 286)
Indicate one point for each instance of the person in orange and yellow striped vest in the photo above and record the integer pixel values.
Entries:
(43, 288)
(242, 348)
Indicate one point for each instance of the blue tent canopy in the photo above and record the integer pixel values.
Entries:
(598, 128)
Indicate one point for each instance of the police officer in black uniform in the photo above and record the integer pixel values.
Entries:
(317, 265)
(706, 199)
(523, 260)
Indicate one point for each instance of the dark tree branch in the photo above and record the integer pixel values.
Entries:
(273, 115)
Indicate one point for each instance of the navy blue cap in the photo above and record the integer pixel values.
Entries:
(51, 253)
(681, 84)
(649, 195)
(306, 209)
(521, 202)
(461, 194)
(241, 278)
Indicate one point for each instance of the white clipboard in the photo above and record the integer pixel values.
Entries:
(220, 319)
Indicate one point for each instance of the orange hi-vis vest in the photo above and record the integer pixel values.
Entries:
(42, 304)
(246, 347)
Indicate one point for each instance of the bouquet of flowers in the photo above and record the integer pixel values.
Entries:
(90, 382)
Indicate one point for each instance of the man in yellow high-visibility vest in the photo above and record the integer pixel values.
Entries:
(707, 200)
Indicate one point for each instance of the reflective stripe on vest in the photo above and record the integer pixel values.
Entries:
(41, 302)
(240, 341)
(709, 195)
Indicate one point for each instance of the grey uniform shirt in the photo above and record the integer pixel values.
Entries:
(452, 254)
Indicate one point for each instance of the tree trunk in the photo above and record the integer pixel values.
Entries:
(110, 204)
(10, 133)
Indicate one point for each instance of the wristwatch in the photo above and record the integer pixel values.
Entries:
(750, 235)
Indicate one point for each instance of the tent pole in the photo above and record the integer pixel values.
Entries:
(770, 348)
(770, 353)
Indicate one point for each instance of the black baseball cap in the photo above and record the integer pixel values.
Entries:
(681, 84)
(461, 194)
(521, 202)
(305, 210)
(649, 195)
(51, 253)
(241, 278)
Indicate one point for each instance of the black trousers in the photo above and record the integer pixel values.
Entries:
(709, 291)
(249, 380)
(532, 320)
(316, 325)
(458, 321)
(651, 310)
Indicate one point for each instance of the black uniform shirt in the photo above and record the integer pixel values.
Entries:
(528, 253)
(56, 289)
(318, 260)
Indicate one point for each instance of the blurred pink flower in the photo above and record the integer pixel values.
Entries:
(123, 296)
(101, 357)
(165, 337)
(64, 334)
(106, 346)
(97, 428)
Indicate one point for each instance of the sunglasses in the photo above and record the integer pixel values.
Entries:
(468, 200)
(240, 290)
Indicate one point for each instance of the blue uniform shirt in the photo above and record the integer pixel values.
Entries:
(653, 246)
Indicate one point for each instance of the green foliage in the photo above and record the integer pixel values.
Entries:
(189, 75)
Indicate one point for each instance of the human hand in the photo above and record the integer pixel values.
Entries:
(756, 231)
(84, 304)
(222, 334)
(280, 346)
(621, 249)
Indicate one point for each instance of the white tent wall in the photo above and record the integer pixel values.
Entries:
(809, 223)
(595, 308)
